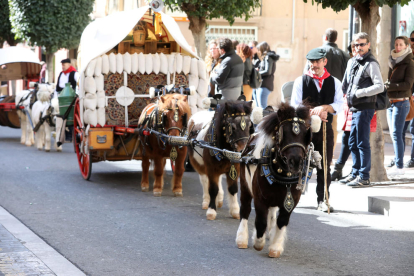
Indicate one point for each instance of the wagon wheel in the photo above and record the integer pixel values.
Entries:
(84, 159)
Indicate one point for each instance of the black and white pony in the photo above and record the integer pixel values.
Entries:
(272, 177)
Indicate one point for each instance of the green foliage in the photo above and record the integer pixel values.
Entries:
(340, 5)
(53, 24)
(5, 25)
(209, 9)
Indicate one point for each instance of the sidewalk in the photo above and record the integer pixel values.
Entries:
(23, 253)
(394, 199)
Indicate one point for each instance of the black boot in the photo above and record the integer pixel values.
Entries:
(337, 172)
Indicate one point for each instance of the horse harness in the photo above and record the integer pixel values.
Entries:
(228, 133)
(269, 156)
(157, 119)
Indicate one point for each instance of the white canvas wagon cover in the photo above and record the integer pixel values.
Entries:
(20, 63)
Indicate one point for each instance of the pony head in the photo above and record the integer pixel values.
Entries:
(288, 133)
(234, 124)
(176, 113)
(44, 92)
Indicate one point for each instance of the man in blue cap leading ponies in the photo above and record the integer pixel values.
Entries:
(323, 93)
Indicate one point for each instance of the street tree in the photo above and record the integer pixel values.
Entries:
(199, 11)
(368, 11)
(5, 25)
(52, 24)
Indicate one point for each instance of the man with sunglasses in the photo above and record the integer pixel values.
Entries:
(361, 83)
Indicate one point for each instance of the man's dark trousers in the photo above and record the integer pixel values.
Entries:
(317, 140)
(359, 143)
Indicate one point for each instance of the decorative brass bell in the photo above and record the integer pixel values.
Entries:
(274, 161)
(279, 170)
(289, 174)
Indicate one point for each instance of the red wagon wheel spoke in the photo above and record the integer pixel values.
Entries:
(84, 160)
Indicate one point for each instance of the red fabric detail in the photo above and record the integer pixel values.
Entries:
(320, 79)
(348, 121)
(70, 69)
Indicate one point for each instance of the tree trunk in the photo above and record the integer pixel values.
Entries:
(198, 29)
(49, 62)
(370, 18)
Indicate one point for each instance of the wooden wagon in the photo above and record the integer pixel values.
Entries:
(121, 57)
(16, 63)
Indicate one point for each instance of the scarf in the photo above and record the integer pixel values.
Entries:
(320, 79)
(70, 69)
(395, 57)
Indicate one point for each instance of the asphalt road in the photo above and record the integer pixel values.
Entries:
(107, 226)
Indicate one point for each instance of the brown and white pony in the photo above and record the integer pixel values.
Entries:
(281, 145)
(229, 127)
(168, 116)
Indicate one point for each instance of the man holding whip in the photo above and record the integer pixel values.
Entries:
(323, 93)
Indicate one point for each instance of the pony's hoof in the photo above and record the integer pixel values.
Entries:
(28, 145)
(204, 206)
(258, 247)
(242, 245)
(59, 150)
(144, 189)
(219, 204)
(274, 254)
(235, 215)
(157, 194)
(47, 150)
(178, 194)
(211, 214)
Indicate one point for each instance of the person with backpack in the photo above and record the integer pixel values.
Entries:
(243, 50)
(267, 71)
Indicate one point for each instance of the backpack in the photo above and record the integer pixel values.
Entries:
(255, 79)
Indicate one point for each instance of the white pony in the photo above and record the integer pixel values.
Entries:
(44, 111)
(24, 98)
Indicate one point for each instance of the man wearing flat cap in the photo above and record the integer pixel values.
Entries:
(68, 74)
(323, 93)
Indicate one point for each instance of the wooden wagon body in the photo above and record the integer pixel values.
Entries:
(116, 74)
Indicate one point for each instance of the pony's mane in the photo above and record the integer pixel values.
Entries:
(169, 101)
(285, 111)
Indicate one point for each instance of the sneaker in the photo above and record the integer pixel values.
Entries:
(409, 164)
(395, 171)
(324, 208)
(391, 164)
(347, 179)
(359, 182)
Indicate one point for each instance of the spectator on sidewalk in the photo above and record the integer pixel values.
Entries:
(324, 94)
(228, 76)
(345, 151)
(410, 163)
(43, 72)
(362, 81)
(267, 70)
(212, 61)
(243, 50)
(255, 56)
(399, 89)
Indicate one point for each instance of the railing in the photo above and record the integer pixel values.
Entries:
(243, 34)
